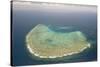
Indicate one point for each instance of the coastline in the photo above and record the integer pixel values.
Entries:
(37, 55)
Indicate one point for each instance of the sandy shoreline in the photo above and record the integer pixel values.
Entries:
(32, 52)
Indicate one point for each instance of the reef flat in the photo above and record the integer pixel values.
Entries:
(43, 42)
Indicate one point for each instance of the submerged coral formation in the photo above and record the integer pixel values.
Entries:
(46, 43)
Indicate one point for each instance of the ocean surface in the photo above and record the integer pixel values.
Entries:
(26, 15)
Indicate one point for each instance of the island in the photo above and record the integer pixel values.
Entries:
(43, 42)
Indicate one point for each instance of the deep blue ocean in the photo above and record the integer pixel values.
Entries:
(26, 15)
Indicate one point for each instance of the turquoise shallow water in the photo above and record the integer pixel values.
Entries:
(25, 19)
